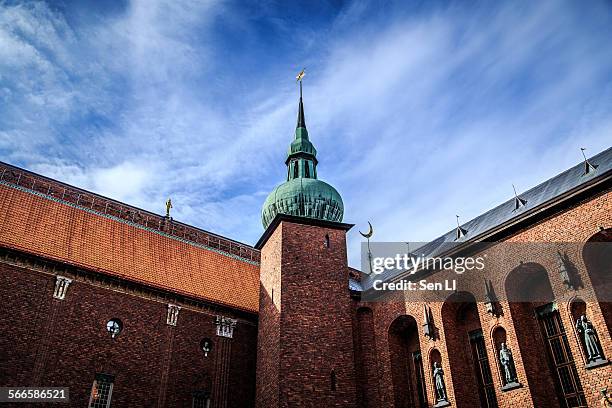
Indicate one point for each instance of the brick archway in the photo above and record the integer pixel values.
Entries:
(406, 363)
(468, 360)
(597, 256)
(542, 338)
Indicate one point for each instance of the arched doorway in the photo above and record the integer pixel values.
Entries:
(597, 256)
(547, 358)
(407, 364)
(467, 354)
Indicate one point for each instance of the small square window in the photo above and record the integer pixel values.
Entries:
(101, 391)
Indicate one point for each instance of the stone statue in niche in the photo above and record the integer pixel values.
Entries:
(507, 361)
(589, 335)
(438, 375)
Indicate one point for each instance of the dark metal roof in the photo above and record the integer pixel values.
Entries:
(540, 194)
(536, 199)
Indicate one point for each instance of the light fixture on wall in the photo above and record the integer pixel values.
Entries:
(206, 345)
(564, 270)
(605, 399)
(491, 303)
(428, 327)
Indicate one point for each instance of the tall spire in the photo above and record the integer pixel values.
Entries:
(302, 194)
(302, 156)
(301, 122)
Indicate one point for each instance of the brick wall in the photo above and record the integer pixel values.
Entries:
(579, 223)
(366, 361)
(308, 326)
(310, 317)
(269, 330)
(51, 342)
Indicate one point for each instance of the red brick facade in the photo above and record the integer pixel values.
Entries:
(305, 337)
(377, 343)
(302, 338)
(52, 342)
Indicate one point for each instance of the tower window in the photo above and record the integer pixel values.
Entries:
(332, 380)
(295, 169)
(307, 170)
(327, 244)
(101, 391)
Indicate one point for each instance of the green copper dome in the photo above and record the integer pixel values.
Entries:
(303, 194)
(303, 197)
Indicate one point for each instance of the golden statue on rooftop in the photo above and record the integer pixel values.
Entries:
(168, 207)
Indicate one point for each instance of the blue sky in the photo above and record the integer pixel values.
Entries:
(419, 110)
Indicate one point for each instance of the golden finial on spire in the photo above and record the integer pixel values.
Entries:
(300, 76)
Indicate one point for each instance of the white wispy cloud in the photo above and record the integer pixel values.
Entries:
(417, 116)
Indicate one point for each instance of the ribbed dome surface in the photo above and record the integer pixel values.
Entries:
(304, 197)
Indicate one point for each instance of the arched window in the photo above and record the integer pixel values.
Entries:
(295, 169)
(463, 332)
(201, 399)
(327, 244)
(407, 373)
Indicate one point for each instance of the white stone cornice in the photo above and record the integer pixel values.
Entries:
(61, 287)
(225, 326)
(173, 312)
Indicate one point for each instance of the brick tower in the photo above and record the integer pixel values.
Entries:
(305, 343)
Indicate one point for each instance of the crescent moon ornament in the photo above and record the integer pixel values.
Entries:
(369, 233)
